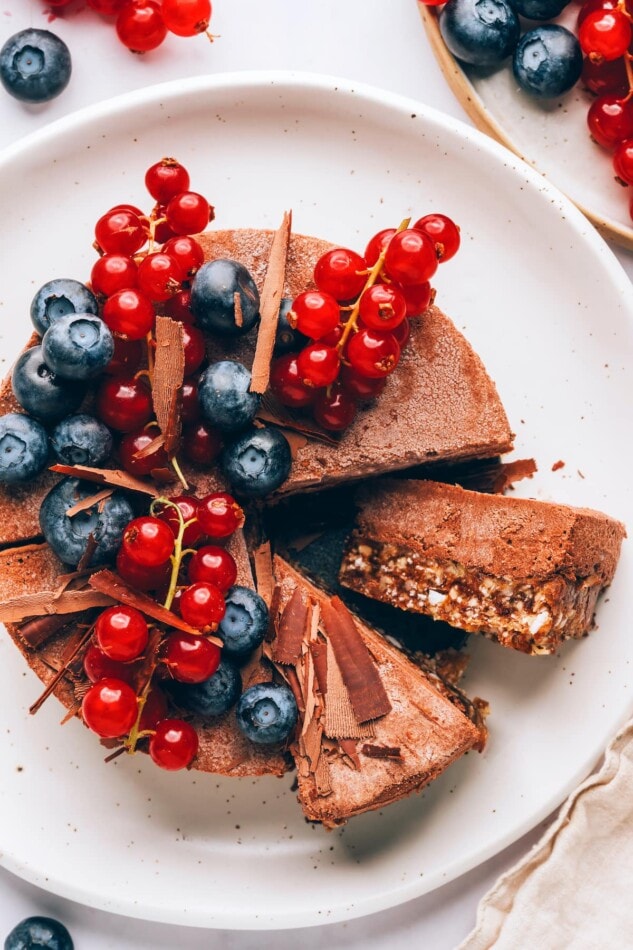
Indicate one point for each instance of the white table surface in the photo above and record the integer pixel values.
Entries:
(380, 42)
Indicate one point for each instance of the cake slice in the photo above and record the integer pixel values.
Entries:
(525, 573)
(439, 405)
(32, 570)
(373, 728)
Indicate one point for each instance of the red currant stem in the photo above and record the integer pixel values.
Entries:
(177, 469)
(372, 277)
(135, 733)
(176, 557)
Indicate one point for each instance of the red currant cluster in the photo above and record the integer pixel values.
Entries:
(142, 25)
(150, 558)
(358, 319)
(147, 263)
(605, 33)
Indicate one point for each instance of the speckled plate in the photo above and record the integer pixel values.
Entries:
(551, 135)
(548, 308)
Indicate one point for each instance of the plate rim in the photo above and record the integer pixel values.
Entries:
(295, 80)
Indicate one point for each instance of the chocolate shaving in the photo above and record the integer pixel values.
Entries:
(366, 691)
(264, 577)
(86, 503)
(271, 411)
(497, 477)
(237, 304)
(45, 602)
(272, 292)
(348, 746)
(167, 379)
(106, 476)
(322, 777)
(291, 631)
(273, 614)
(318, 649)
(89, 550)
(340, 719)
(148, 662)
(381, 751)
(37, 631)
(151, 447)
(68, 659)
(109, 583)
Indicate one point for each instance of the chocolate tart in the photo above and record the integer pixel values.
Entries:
(525, 573)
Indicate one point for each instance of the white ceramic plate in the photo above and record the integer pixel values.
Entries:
(550, 311)
(551, 135)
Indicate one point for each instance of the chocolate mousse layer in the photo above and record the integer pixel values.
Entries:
(522, 572)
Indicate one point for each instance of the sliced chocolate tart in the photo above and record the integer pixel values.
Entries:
(49, 613)
(439, 405)
(525, 573)
(373, 726)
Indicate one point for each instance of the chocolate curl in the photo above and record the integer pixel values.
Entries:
(366, 692)
(88, 502)
(57, 678)
(167, 379)
(381, 751)
(109, 583)
(272, 292)
(271, 412)
(107, 476)
(37, 631)
(46, 602)
(292, 630)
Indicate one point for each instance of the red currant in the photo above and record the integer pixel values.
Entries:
(334, 408)
(610, 121)
(155, 709)
(188, 213)
(162, 231)
(97, 665)
(623, 161)
(120, 231)
(106, 7)
(178, 307)
(605, 34)
(360, 387)
(202, 605)
(190, 659)
(134, 442)
(187, 252)
(402, 333)
(341, 273)
(220, 515)
(213, 564)
(382, 307)
(142, 578)
(318, 365)
(443, 232)
(130, 313)
(373, 354)
(314, 314)
(194, 347)
(189, 406)
(411, 257)
(377, 245)
(140, 25)
(124, 403)
(127, 356)
(148, 541)
(166, 179)
(286, 382)
(605, 77)
(160, 276)
(188, 505)
(113, 272)
(174, 745)
(417, 298)
(591, 6)
(122, 633)
(187, 17)
(110, 708)
(201, 443)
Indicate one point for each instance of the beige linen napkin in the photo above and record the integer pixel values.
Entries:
(574, 889)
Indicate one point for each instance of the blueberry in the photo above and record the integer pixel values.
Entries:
(540, 9)
(68, 537)
(267, 713)
(40, 391)
(245, 622)
(81, 440)
(78, 346)
(481, 32)
(35, 65)
(212, 697)
(213, 298)
(287, 340)
(224, 398)
(548, 61)
(41, 932)
(257, 462)
(23, 448)
(58, 297)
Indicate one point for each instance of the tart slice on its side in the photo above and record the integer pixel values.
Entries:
(373, 728)
(525, 573)
(33, 571)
